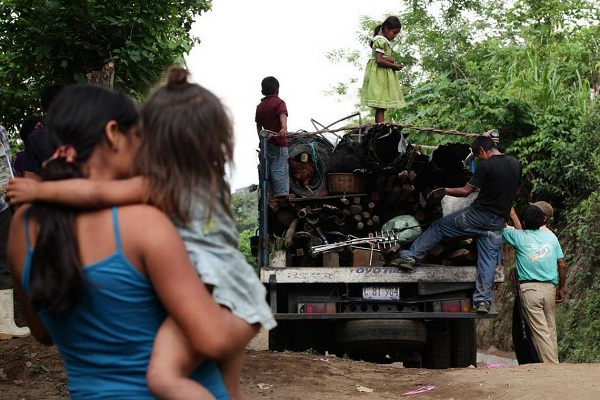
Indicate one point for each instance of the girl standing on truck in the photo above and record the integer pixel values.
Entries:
(187, 141)
(381, 88)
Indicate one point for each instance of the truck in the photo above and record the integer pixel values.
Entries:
(326, 254)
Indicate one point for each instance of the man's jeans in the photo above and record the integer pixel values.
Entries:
(485, 226)
(279, 176)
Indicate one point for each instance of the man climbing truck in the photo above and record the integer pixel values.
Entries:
(337, 286)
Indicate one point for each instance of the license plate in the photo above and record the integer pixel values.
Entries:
(381, 293)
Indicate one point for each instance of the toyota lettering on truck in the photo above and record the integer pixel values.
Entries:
(340, 287)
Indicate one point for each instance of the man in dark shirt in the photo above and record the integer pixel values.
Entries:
(38, 147)
(497, 178)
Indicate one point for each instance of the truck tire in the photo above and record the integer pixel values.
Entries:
(437, 352)
(376, 339)
(464, 343)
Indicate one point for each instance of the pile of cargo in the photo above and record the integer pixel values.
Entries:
(346, 200)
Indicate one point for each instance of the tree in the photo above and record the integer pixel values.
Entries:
(47, 41)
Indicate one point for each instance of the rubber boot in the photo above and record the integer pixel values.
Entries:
(8, 329)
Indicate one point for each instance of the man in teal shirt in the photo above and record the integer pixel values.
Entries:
(541, 270)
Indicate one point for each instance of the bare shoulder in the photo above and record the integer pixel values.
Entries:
(17, 243)
(142, 215)
(17, 223)
(144, 221)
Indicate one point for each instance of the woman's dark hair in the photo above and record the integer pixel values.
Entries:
(77, 117)
(390, 22)
(187, 142)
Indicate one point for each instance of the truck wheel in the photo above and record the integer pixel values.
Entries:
(375, 339)
(437, 353)
(464, 343)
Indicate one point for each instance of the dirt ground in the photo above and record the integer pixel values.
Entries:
(30, 371)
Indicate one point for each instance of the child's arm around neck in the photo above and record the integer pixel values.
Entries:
(84, 193)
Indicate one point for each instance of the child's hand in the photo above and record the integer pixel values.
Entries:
(398, 67)
(22, 190)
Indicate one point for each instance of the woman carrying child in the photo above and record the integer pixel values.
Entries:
(99, 283)
(187, 142)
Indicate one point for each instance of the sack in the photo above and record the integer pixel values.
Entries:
(406, 228)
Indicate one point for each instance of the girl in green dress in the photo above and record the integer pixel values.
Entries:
(381, 88)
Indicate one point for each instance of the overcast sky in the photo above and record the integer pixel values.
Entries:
(244, 41)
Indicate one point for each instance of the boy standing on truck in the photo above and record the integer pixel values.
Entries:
(497, 177)
(271, 114)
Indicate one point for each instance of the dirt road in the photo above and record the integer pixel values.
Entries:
(29, 371)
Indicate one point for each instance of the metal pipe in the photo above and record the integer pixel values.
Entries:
(263, 204)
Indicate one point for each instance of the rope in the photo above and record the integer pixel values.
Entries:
(360, 127)
(320, 151)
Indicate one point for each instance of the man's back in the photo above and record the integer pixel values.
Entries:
(497, 179)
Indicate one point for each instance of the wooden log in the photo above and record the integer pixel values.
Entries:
(329, 207)
(331, 260)
(356, 209)
(457, 254)
(407, 188)
(360, 226)
(420, 215)
(392, 196)
(435, 197)
(403, 175)
(345, 201)
(357, 217)
(365, 214)
(438, 250)
(287, 238)
(356, 200)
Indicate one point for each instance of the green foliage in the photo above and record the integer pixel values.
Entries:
(579, 328)
(47, 41)
(245, 212)
(245, 209)
(244, 247)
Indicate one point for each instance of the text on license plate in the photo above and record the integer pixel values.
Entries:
(381, 293)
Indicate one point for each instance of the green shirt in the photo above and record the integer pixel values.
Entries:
(537, 253)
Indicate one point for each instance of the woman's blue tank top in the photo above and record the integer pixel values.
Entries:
(107, 340)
